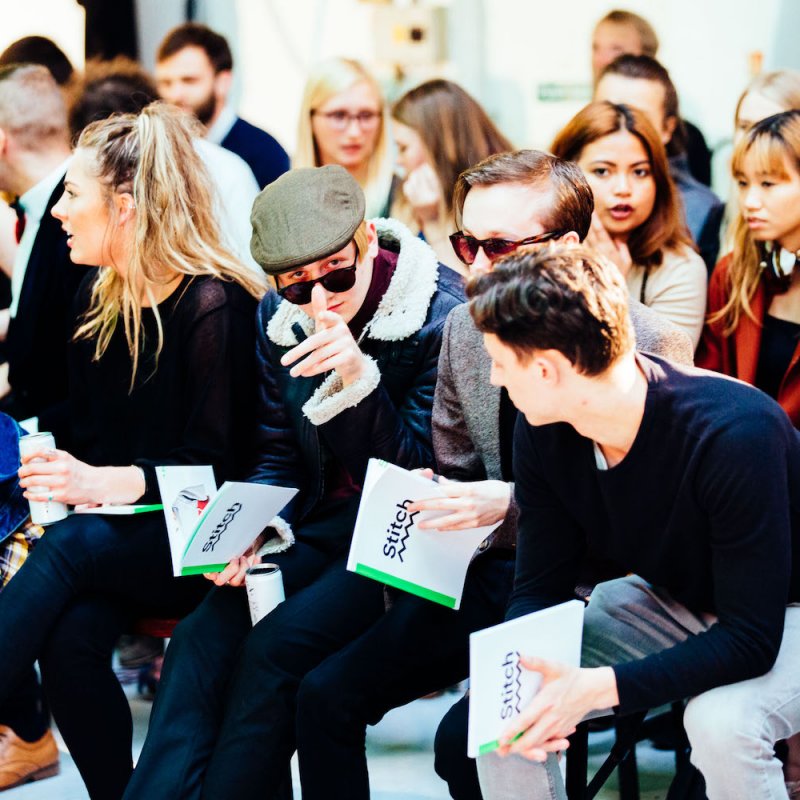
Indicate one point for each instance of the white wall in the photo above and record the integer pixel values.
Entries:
(63, 21)
(705, 44)
(501, 49)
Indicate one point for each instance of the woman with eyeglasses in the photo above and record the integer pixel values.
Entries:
(753, 330)
(348, 349)
(162, 371)
(343, 120)
(637, 222)
(440, 131)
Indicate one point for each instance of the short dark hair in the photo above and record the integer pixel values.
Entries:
(556, 297)
(193, 34)
(574, 202)
(645, 68)
(39, 50)
(119, 86)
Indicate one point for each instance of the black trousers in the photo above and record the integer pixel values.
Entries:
(413, 649)
(67, 606)
(223, 718)
(233, 703)
(452, 763)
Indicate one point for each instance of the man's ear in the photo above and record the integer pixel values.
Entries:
(3, 141)
(372, 240)
(571, 237)
(222, 86)
(670, 123)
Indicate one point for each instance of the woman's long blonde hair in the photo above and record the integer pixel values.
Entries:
(771, 142)
(152, 157)
(329, 78)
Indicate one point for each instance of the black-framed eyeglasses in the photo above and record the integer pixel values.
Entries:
(337, 280)
(466, 246)
(341, 119)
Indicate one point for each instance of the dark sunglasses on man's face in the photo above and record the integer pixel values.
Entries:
(466, 246)
(338, 280)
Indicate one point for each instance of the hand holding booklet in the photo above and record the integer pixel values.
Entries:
(206, 527)
(388, 546)
(499, 686)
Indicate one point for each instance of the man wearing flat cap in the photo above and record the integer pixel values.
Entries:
(347, 349)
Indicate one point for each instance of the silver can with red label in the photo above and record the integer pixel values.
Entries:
(264, 590)
(47, 511)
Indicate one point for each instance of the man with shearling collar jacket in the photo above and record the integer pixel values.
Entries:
(347, 350)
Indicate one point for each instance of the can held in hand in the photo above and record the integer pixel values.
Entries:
(264, 584)
(43, 512)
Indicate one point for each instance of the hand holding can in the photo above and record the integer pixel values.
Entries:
(45, 511)
(264, 590)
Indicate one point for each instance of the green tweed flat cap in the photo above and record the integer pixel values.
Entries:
(305, 215)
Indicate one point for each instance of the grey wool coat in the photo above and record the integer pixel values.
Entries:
(466, 407)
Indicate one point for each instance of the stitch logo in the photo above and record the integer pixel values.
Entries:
(512, 686)
(398, 531)
(221, 527)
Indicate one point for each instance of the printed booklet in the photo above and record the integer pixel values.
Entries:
(206, 527)
(389, 547)
(499, 686)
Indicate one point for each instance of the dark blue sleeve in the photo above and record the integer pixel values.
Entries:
(278, 460)
(744, 485)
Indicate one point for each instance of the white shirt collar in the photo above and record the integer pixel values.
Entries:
(34, 201)
(222, 126)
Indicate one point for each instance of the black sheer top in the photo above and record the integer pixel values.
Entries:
(194, 406)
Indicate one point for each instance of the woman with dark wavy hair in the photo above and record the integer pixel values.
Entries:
(637, 222)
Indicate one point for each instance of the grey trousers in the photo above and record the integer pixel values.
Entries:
(732, 729)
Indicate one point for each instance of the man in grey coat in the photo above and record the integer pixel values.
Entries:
(508, 200)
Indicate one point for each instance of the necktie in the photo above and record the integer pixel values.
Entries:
(20, 226)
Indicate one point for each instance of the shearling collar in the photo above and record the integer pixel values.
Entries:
(404, 307)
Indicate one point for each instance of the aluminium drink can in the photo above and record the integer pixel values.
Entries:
(47, 511)
(264, 584)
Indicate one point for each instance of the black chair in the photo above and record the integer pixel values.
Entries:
(687, 785)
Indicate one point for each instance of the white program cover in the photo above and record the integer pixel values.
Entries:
(206, 527)
(499, 686)
(389, 547)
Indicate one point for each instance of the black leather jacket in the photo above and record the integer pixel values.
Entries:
(386, 414)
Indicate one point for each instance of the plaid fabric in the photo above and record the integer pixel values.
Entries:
(15, 550)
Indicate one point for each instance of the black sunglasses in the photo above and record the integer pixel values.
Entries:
(466, 246)
(338, 280)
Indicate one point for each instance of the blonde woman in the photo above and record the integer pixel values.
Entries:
(343, 120)
(440, 131)
(161, 372)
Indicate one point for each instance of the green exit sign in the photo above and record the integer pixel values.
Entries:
(560, 92)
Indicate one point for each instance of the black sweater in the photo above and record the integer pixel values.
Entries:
(198, 405)
(706, 504)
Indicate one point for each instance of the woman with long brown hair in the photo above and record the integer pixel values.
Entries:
(440, 131)
(753, 330)
(162, 371)
(637, 221)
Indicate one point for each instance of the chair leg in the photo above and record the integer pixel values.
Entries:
(628, 774)
(682, 750)
(577, 763)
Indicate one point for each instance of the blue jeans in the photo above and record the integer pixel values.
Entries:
(732, 729)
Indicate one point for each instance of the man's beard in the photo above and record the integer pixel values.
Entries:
(205, 111)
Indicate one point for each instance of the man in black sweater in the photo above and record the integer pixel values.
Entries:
(689, 482)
